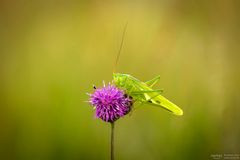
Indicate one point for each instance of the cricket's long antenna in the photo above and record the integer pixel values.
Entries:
(121, 45)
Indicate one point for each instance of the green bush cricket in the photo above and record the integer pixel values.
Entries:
(142, 91)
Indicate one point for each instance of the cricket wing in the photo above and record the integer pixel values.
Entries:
(155, 98)
(166, 104)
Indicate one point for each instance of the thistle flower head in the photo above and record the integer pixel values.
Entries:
(110, 103)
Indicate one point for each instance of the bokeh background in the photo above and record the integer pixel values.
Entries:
(52, 52)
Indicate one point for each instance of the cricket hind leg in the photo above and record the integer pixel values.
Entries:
(141, 102)
(147, 91)
(153, 81)
(141, 98)
(140, 95)
(146, 96)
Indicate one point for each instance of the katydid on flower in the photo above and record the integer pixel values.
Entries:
(142, 91)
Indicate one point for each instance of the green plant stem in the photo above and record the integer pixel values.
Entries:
(112, 141)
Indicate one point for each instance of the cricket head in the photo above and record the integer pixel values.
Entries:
(119, 79)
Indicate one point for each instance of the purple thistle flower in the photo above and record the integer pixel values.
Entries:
(110, 103)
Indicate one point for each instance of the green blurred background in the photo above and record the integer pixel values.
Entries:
(52, 52)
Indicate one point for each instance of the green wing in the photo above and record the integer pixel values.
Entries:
(165, 103)
(155, 98)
